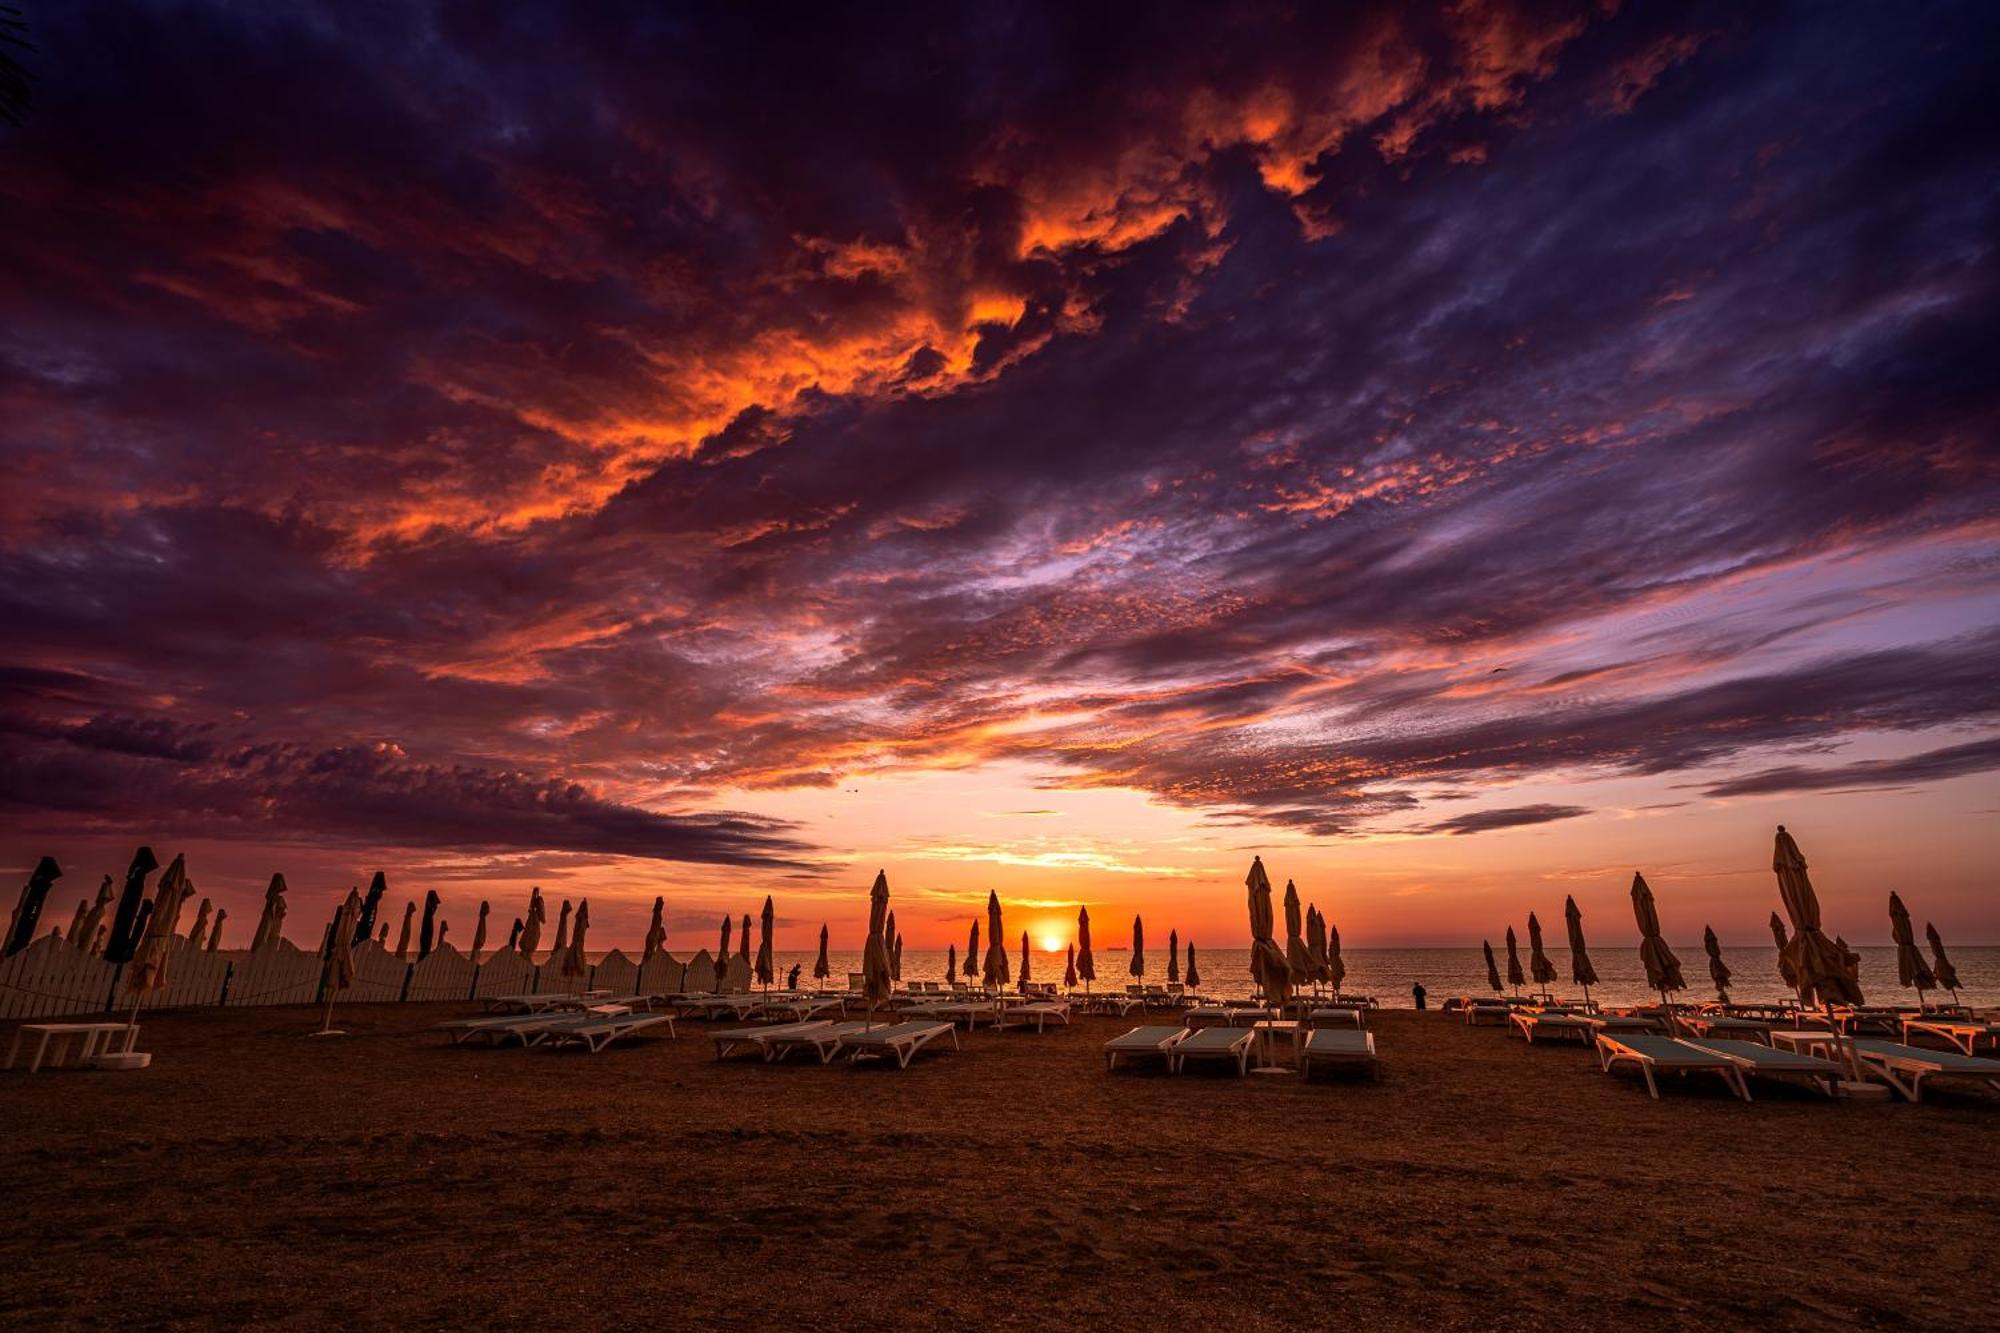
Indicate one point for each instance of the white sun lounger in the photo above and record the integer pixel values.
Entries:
(760, 1038)
(1230, 1044)
(822, 1039)
(1964, 1033)
(533, 1004)
(1654, 1055)
(492, 1031)
(900, 1040)
(1725, 1026)
(1338, 1046)
(1041, 1013)
(596, 1031)
(802, 1007)
(1754, 1057)
(1336, 1016)
(1159, 1039)
(1554, 1026)
(1905, 1068)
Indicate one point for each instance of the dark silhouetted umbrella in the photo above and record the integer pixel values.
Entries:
(1024, 963)
(890, 936)
(1718, 971)
(995, 971)
(1173, 958)
(573, 962)
(822, 966)
(403, 936)
(1298, 961)
(1136, 965)
(340, 958)
(1911, 969)
(951, 964)
(1492, 968)
(1941, 964)
(1086, 962)
(199, 930)
(1785, 969)
(148, 971)
(1267, 962)
(656, 931)
(1193, 972)
(1580, 970)
(364, 922)
(1069, 970)
(876, 983)
(766, 970)
(86, 935)
(560, 945)
(427, 932)
(124, 935)
(1663, 970)
(1822, 967)
(1515, 976)
(215, 932)
(531, 930)
(28, 911)
(478, 929)
(514, 935)
(972, 950)
(1336, 966)
(271, 925)
(1539, 966)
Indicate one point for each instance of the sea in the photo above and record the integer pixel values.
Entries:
(1389, 974)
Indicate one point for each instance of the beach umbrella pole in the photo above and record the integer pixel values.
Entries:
(326, 1027)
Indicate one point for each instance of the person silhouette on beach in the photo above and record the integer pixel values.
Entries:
(1417, 993)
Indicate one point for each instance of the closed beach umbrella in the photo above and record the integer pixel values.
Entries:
(743, 942)
(1193, 972)
(1316, 942)
(1822, 966)
(87, 933)
(478, 929)
(728, 929)
(951, 964)
(271, 925)
(766, 973)
(1024, 962)
(199, 930)
(1663, 970)
(561, 944)
(1941, 965)
(1911, 969)
(124, 936)
(340, 957)
(1492, 968)
(514, 935)
(364, 922)
(1515, 976)
(1086, 964)
(1267, 962)
(875, 980)
(656, 930)
(402, 938)
(1336, 967)
(1137, 965)
(722, 970)
(573, 963)
(1173, 958)
(1069, 970)
(1539, 966)
(83, 910)
(215, 932)
(822, 968)
(1580, 970)
(892, 937)
(28, 911)
(444, 929)
(148, 972)
(1718, 971)
(972, 950)
(995, 971)
(427, 932)
(1298, 963)
(1789, 973)
(531, 929)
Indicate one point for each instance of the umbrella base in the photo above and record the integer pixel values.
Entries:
(122, 1060)
(328, 1032)
(1864, 1092)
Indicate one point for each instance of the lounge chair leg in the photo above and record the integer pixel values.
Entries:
(1651, 1086)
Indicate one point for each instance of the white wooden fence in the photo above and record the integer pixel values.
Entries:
(49, 979)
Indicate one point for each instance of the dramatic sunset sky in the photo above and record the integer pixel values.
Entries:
(1462, 455)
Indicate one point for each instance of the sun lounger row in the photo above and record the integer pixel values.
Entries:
(827, 1040)
(1903, 1067)
(592, 1031)
(1229, 1045)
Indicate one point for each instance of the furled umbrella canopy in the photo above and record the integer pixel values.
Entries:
(83, 910)
(148, 970)
(1941, 964)
(215, 932)
(656, 930)
(972, 950)
(743, 942)
(1718, 971)
(1515, 976)
(1336, 966)
(1086, 963)
(1316, 942)
(28, 911)
(950, 964)
(271, 925)
(1173, 958)
(1193, 972)
(573, 964)
(1663, 969)
(1580, 970)
(1492, 968)
(766, 971)
(531, 929)
(561, 944)
(893, 938)
(479, 930)
(1824, 975)
(364, 922)
(1267, 962)
(728, 932)
(876, 982)
(340, 955)
(124, 936)
(1024, 963)
(1069, 970)
(995, 971)
(514, 935)
(1539, 966)
(822, 966)
(87, 933)
(403, 936)
(444, 929)
(199, 930)
(427, 933)
(1137, 964)
(1298, 962)
(1786, 971)
(1911, 969)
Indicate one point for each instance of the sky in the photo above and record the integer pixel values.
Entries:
(1463, 455)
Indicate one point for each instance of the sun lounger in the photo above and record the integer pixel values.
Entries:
(822, 1039)
(968, 1012)
(1965, 1034)
(1756, 1058)
(1230, 1044)
(1339, 1015)
(1656, 1055)
(1553, 1026)
(1905, 1068)
(1159, 1039)
(760, 1038)
(1620, 1024)
(532, 1004)
(1337, 1046)
(900, 1040)
(1725, 1025)
(492, 1031)
(597, 1031)
(1486, 1013)
(1041, 1014)
(1116, 1005)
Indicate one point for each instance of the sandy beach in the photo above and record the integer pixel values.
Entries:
(387, 1179)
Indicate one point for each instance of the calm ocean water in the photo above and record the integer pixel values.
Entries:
(1389, 973)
